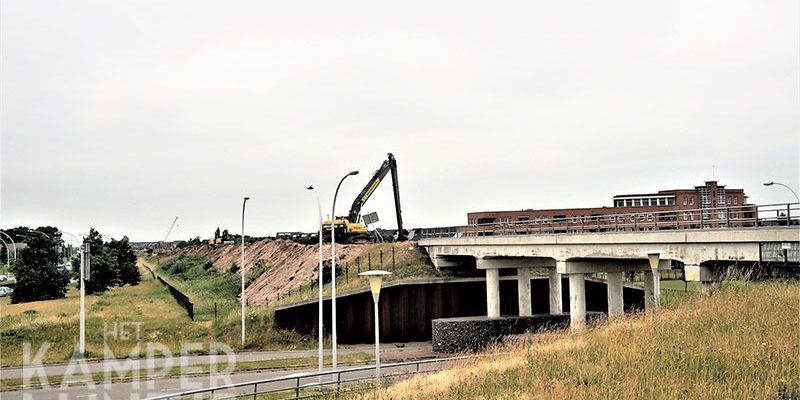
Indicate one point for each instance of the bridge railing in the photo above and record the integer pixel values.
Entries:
(743, 216)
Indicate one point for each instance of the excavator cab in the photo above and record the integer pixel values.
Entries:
(350, 229)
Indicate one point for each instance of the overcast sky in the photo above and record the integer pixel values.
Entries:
(123, 115)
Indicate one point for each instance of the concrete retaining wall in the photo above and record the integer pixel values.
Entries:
(455, 335)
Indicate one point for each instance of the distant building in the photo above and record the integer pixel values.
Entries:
(708, 206)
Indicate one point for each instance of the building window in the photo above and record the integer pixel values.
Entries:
(684, 200)
(671, 201)
(620, 218)
(691, 201)
(523, 219)
(629, 203)
(735, 200)
(685, 216)
(650, 217)
(637, 202)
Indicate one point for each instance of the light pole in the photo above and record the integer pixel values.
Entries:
(244, 203)
(84, 251)
(375, 278)
(12, 243)
(8, 253)
(333, 270)
(786, 186)
(319, 273)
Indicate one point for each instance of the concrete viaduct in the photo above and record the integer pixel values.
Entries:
(612, 253)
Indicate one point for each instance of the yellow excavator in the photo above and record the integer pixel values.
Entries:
(350, 228)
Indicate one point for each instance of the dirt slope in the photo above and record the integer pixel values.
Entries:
(289, 264)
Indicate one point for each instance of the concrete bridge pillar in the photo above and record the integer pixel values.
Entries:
(493, 293)
(555, 291)
(697, 273)
(649, 290)
(616, 306)
(524, 290)
(577, 302)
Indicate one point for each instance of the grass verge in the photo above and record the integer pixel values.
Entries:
(287, 363)
(740, 342)
(118, 318)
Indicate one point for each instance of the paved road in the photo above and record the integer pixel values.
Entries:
(158, 387)
(153, 387)
(388, 351)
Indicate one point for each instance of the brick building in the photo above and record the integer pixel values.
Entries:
(708, 206)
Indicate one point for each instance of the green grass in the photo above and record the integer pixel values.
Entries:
(742, 342)
(205, 286)
(148, 304)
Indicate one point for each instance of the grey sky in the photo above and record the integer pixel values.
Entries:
(122, 115)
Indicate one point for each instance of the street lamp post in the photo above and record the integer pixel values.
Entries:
(797, 198)
(333, 270)
(375, 278)
(84, 265)
(12, 243)
(84, 252)
(8, 253)
(244, 203)
(319, 273)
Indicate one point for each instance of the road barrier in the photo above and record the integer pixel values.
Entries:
(181, 298)
(316, 384)
(722, 217)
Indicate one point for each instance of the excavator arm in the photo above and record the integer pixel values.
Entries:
(389, 165)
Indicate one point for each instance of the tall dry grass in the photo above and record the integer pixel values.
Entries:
(739, 343)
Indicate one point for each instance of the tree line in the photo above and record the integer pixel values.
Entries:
(39, 275)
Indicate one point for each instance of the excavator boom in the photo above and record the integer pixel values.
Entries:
(389, 165)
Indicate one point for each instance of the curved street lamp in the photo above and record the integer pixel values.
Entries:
(12, 243)
(786, 186)
(333, 270)
(8, 253)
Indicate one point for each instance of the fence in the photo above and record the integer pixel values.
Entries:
(314, 384)
(746, 216)
(349, 270)
(179, 297)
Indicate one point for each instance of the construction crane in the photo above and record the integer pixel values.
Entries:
(171, 227)
(350, 229)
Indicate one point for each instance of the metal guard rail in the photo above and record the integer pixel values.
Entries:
(745, 216)
(297, 378)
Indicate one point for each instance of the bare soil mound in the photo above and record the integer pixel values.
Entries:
(283, 265)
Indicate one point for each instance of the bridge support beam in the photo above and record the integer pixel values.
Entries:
(616, 305)
(555, 291)
(524, 291)
(577, 302)
(493, 293)
(649, 291)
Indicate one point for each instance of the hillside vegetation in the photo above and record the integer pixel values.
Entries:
(740, 343)
(276, 268)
